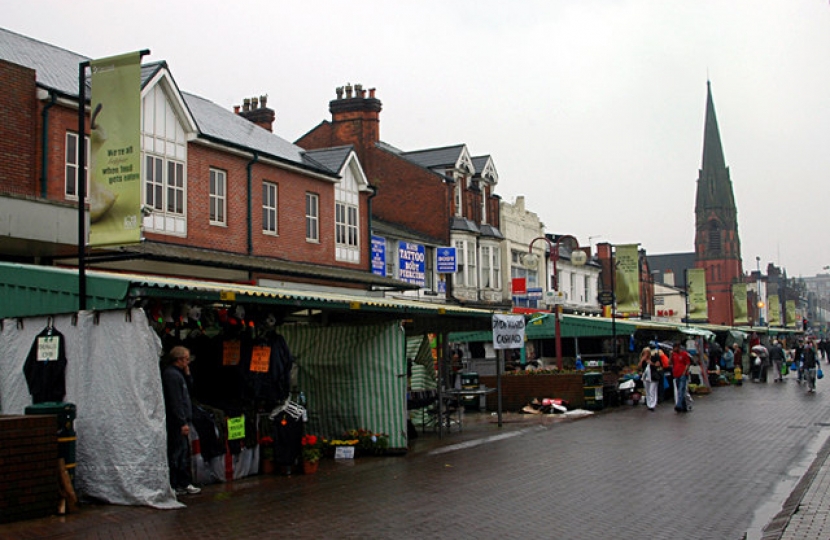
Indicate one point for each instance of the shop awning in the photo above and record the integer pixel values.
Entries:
(43, 290)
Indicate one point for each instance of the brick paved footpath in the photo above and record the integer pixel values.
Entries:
(722, 471)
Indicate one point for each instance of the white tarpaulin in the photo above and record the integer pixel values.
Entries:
(112, 377)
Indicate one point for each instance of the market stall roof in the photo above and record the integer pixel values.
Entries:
(40, 290)
(542, 325)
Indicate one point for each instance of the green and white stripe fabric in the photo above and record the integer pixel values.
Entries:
(353, 378)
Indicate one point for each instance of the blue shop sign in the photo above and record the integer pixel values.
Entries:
(447, 262)
(411, 263)
(379, 255)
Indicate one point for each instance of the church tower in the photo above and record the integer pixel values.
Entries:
(717, 244)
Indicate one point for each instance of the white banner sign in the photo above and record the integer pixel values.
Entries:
(508, 331)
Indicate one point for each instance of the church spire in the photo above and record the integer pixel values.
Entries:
(712, 149)
(714, 189)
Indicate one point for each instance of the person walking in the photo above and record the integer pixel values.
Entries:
(739, 358)
(777, 356)
(680, 364)
(810, 365)
(651, 373)
(798, 357)
(174, 379)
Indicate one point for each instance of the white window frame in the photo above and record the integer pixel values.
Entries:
(164, 159)
(460, 247)
(472, 266)
(218, 197)
(270, 206)
(312, 217)
(459, 205)
(71, 164)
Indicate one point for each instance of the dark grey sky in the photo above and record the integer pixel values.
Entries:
(592, 109)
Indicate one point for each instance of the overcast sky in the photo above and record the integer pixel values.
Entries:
(591, 109)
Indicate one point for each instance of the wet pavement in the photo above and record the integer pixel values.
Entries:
(748, 462)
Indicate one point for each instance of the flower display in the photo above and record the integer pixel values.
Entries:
(266, 445)
(311, 448)
(369, 442)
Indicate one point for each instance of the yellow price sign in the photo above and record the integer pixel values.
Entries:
(236, 428)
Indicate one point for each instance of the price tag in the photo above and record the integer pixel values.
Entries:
(344, 452)
(47, 348)
(230, 353)
(260, 358)
(236, 428)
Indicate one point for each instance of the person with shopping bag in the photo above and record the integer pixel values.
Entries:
(651, 373)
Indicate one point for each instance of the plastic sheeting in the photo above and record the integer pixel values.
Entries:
(112, 376)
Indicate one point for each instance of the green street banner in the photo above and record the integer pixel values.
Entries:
(790, 314)
(698, 306)
(739, 307)
(774, 310)
(627, 279)
(115, 151)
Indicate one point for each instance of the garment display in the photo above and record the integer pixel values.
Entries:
(45, 367)
(287, 420)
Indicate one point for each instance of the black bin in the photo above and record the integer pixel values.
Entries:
(469, 381)
(65, 413)
(592, 390)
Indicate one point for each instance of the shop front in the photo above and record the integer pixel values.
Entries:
(342, 358)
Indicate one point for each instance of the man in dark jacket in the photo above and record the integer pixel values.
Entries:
(810, 365)
(174, 378)
(776, 355)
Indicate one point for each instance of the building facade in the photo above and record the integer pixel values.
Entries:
(424, 200)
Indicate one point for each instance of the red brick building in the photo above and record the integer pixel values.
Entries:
(431, 198)
(222, 196)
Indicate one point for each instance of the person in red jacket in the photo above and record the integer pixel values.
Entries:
(680, 362)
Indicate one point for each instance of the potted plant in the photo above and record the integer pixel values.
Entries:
(311, 451)
(266, 455)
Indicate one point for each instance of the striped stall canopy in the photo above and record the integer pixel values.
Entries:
(354, 377)
(423, 365)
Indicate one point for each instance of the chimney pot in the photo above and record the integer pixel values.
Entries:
(236, 109)
(263, 100)
(246, 104)
(348, 90)
(372, 93)
(254, 104)
(339, 92)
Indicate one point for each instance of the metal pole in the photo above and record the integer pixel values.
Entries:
(81, 183)
(499, 364)
(613, 266)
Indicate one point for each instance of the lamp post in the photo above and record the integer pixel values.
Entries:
(578, 258)
(760, 302)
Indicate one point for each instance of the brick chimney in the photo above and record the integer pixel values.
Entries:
(355, 118)
(255, 110)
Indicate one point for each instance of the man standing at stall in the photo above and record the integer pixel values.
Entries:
(174, 379)
(680, 362)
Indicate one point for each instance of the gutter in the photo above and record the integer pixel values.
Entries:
(369, 217)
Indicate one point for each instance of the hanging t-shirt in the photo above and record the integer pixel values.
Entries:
(45, 367)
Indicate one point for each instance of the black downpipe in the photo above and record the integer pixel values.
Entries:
(369, 214)
(250, 204)
(44, 144)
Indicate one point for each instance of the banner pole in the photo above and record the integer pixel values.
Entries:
(81, 185)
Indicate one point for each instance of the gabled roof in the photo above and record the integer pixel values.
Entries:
(333, 159)
(448, 157)
(486, 169)
(57, 69)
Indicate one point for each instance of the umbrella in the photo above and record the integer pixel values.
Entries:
(760, 350)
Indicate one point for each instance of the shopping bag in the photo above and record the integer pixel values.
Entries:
(819, 374)
(784, 369)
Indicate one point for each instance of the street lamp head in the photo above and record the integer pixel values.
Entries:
(578, 257)
(530, 260)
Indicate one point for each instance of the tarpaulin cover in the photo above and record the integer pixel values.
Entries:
(112, 377)
(354, 378)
